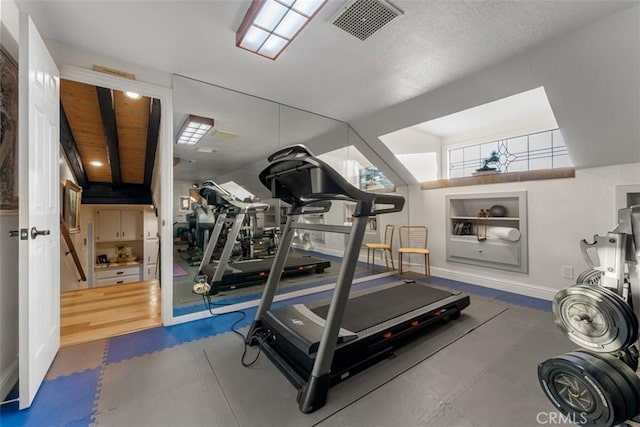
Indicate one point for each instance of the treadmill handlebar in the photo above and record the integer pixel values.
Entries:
(288, 151)
(252, 207)
(221, 198)
(312, 207)
(299, 178)
(388, 199)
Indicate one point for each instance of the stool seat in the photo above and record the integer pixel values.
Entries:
(378, 246)
(414, 251)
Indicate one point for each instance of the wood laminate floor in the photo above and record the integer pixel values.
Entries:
(106, 311)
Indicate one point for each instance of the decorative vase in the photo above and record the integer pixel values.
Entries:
(498, 211)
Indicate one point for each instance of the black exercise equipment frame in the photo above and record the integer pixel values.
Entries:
(249, 273)
(309, 185)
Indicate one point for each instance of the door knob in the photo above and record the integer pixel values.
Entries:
(35, 232)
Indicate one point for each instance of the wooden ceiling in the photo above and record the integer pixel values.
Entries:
(106, 126)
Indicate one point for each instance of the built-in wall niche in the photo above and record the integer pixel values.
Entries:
(488, 230)
(111, 251)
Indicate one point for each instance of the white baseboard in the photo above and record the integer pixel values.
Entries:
(515, 287)
(498, 284)
(328, 251)
(8, 378)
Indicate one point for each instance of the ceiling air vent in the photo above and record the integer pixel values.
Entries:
(363, 18)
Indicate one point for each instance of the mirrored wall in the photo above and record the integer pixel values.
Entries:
(226, 163)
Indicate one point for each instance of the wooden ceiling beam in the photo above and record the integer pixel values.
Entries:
(105, 100)
(70, 148)
(152, 141)
(104, 193)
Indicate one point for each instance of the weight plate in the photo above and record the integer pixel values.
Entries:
(589, 277)
(580, 391)
(630, 357)
(609, 379)
(630, 318)
(595, 318)
(622, 376)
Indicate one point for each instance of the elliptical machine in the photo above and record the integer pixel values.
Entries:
(597, 385)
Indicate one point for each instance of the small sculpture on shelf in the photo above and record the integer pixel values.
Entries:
(493, 158)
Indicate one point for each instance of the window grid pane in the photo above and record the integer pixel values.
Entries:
(540, 150)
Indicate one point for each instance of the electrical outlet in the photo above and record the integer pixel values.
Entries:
(567, 272)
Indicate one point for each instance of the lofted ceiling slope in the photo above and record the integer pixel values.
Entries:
(324, 70)
(434, 50)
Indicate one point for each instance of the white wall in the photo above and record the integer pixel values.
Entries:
(413, 141)
(8, 245)
(561, 213)
(590, 77)
(180, 188)
(69, 276)
(8, 303)
(73, 55)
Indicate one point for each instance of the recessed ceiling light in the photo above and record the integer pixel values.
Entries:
(193, 129)
(96, 163)
(132, 95)
(270, 25)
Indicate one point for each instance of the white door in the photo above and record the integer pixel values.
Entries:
(39, 189)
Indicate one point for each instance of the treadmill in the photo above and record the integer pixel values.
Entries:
(223, 275)
(319, 344)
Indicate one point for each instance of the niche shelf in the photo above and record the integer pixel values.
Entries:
(505, 247)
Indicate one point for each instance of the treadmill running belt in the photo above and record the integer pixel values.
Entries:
(369, 310)
(262, 264)
(265, 264)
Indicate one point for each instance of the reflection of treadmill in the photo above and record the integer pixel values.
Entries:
(223, 275)
(318, 344)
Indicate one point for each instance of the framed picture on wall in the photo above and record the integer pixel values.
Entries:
(185, 204)
(71, 206)
(8, 132)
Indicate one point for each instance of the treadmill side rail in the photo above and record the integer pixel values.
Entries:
(274, 275)
(314, 394)
(316, 391)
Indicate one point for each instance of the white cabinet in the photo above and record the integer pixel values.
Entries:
(118, 275)
(151, 251)
(150, 224)
(493, 241)
(118, 225)
(151, 245)
(151, 271)
(108, 225)
(131, 224)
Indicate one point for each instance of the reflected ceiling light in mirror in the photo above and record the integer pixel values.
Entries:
(270, 25)
(193, 129)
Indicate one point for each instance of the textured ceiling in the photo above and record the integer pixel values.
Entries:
(324, 70)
